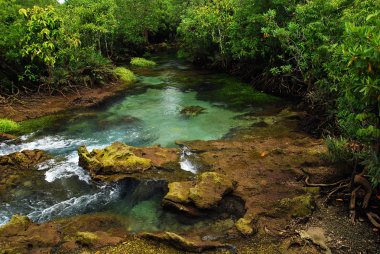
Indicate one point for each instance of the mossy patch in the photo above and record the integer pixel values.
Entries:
(85, 238)
(16, 224)
(298, 207)
(142, 62)
(115, 158)
(125, 75)
(32, 125)
(8, 126)
(244, 227)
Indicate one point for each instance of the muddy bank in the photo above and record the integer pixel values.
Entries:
(40, 105)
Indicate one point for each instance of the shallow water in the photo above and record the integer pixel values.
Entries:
(145, 115)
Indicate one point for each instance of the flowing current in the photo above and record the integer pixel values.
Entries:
(147, 114)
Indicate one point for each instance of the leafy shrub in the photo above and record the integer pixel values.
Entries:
(125, 75)
(142, 62)
(7, 126)
(338, 150)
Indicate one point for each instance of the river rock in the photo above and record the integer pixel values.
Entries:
(191, 197)
(178, 198)
(119, 161)
(186, 243)
(209, 190)
(179, 192)
(21, 235)
(244, 227)
(5, 137)
(116, 158)
(192, 111)
(18, 167)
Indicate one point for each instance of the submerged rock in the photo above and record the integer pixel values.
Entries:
(193, 243)
(192, 111)
(119, 161)
(18, 167)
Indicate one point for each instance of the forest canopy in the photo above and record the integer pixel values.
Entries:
(325, 52)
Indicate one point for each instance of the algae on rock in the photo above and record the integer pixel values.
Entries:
(115, 158)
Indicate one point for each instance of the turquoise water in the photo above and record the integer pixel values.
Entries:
(147, 114)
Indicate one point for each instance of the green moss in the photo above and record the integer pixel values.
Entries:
(244, 227)
(85, 238)
(300, 206)
(142, 62)
(17, 224)
(125, 75)
(8, 126)
(32, 125)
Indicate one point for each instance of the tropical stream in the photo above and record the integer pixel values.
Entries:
(147, 114)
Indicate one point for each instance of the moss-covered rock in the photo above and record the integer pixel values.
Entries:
(300, 206)
(142, 62)
(119, 161)
(209, 189)
(17, 167)
(244, 227)
(115, 158)
(86, 238)
(17, 224)
(179, 192)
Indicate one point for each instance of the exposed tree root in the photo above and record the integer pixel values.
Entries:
(374, 219)
(358, 182)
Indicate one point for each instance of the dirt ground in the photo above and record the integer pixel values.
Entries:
(40, 105)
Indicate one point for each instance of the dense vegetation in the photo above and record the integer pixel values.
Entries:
(326, 52)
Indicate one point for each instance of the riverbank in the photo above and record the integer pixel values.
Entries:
(282, 215)
(36, 106)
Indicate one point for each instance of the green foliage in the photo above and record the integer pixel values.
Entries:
(57, 48)
(95, 21)
(331, 49)
(8, 126)
(338, 150)
(142, 62)
(44, 40)
(125, 75)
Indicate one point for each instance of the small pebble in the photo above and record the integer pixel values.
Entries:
(375, 230)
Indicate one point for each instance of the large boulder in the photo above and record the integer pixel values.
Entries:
(119, 161)
(117, 158)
